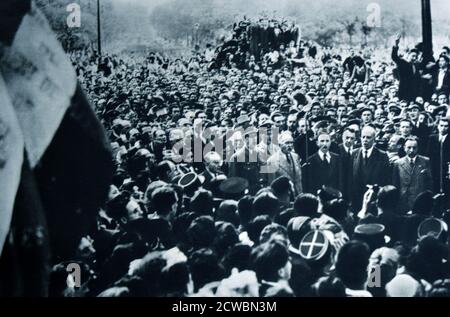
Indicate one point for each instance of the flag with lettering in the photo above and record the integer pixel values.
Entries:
(67, 164)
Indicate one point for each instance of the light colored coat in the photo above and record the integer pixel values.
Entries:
(411, 181)
(278, 165)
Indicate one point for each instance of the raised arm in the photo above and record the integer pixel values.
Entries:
(394, 54)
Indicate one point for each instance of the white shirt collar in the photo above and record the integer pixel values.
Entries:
(369, 151)
(347, 149)
(412, 159)
(322, 155)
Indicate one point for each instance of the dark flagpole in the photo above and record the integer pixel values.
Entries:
(99, 36)
(427, 33)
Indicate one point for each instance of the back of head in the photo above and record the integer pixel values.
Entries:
(274, 231)
(306, 205)
(245, 209)
(336, 209)
(202, 202)
(266, 204)
(226, 237)
(201, 232)
(204, 267)
(238, 256)
(283, 217)
(281, 186)
(228, 211)
(256, 226)
(423, 204)
(329, 286)
(163, 199)
(352, 262)
(268, 258)
(388, 198)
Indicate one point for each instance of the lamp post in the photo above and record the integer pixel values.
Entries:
(99, 35)
(427, 34)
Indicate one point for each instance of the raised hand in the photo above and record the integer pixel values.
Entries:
(397, 39)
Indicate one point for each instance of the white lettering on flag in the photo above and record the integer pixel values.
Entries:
(40, 80)
(11, 159)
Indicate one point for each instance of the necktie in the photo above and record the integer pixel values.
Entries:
(291, 163)
(366, 157)
(411, 163)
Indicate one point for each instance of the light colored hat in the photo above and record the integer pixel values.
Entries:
(285, 137)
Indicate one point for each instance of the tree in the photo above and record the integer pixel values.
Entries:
(366, 30)
(350, 28)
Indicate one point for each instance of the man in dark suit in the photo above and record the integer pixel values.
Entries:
(370, 166)
(439, 154)
(213, 164)
(441, 76)
(245, 162)
(303, 145)
(345, 153)
(411, 175)
(408, 73)
(322, 168)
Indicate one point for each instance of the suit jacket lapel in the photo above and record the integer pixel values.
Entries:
(357, 162)
(371, 162)
(406, 166)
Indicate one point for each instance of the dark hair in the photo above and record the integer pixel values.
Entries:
(268, 258)
(306, 205)
(227, 211)
(201, 232)
(226, 237)
(301, 279)
(163, 199)
(336, 209)
(329, 286)
(266, 204)
(238, 256)
(425, 259)
(255, 227)
(202, 202)
(180, 226)
(423, 204)
(388, 198)
(204, 267)
(281, 186)
(272, 230)
(150, 271)
(283, 217)
(245, 209)
(352, 262)
(175, 280)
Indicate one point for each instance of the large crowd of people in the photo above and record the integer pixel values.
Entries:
(270, 167)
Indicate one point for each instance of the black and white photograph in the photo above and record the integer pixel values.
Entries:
(191, 149)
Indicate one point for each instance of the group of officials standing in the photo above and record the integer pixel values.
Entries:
(351, 167)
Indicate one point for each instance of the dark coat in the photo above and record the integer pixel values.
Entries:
(410, 81)
(434, 153)
(318, 173)
(346, 165)
(377, 171)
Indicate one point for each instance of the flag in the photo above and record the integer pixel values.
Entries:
(66, 165)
